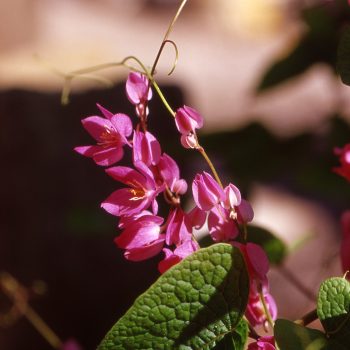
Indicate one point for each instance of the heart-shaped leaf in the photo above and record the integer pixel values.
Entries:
(333, 308)
(291, 336)
(191, 306)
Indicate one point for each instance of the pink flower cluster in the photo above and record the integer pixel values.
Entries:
(144, 234)
(258, 266)
(154, 173)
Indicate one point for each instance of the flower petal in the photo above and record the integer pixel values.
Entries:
(145, 252)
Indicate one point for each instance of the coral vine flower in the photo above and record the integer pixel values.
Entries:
(221, 227)
(245, 212)
(146, 148)
(255, 312)
(138, 91)
(232, 196)
(345, 245)
(172, 258)
(178, 228)
(170, 173)
(187, 120)
(142, 238)
(139, 196)
(206, 191)
(263, 343)
(196, 218)
(344, 158)
(257, 261)
(111, 135)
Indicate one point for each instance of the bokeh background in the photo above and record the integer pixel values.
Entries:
(262, 73)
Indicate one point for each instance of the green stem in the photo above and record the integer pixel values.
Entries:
(160, 94)
(211, 166)
(266, 309)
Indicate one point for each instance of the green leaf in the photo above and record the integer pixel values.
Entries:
(235, 340)
(275, 249)
(343, 57)
(191, 306)
(333, 308)
(291, 336)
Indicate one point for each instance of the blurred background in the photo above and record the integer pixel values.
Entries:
(262, 73)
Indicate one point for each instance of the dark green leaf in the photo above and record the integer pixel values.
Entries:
(275, 249)
(235, 340)
(192, 306)
(333, 308)
(290, 336)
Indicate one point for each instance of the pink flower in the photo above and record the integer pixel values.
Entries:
(142, 238)
(178, 228)
(257, 261)
(172, 258)
(111, 135)
(232, 196)
(138, 197)
(139, 92)
(222, 227)
(345, 244)
(245, 212)
(206, 191)
(255, 312)
(263, 343)
(170, 173)
(146, 148)
(187, 120)
(344, 158)
(196, 218)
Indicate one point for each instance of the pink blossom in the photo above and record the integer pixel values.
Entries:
(263, 343)
(232, 196)
(138, 91)
(256, 260)
(146, 148)
(345, 244)
(187, 120)
(255, 312)
(126, 220)
(222, 227)
(170, 173)
(139, 196)
(178, 228)
(245, 212)
(171, 258)
(206, 191)
(344, 158)
(196, 218)
(142, 238)
(111, 134)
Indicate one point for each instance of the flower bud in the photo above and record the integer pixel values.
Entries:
(187, 120)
